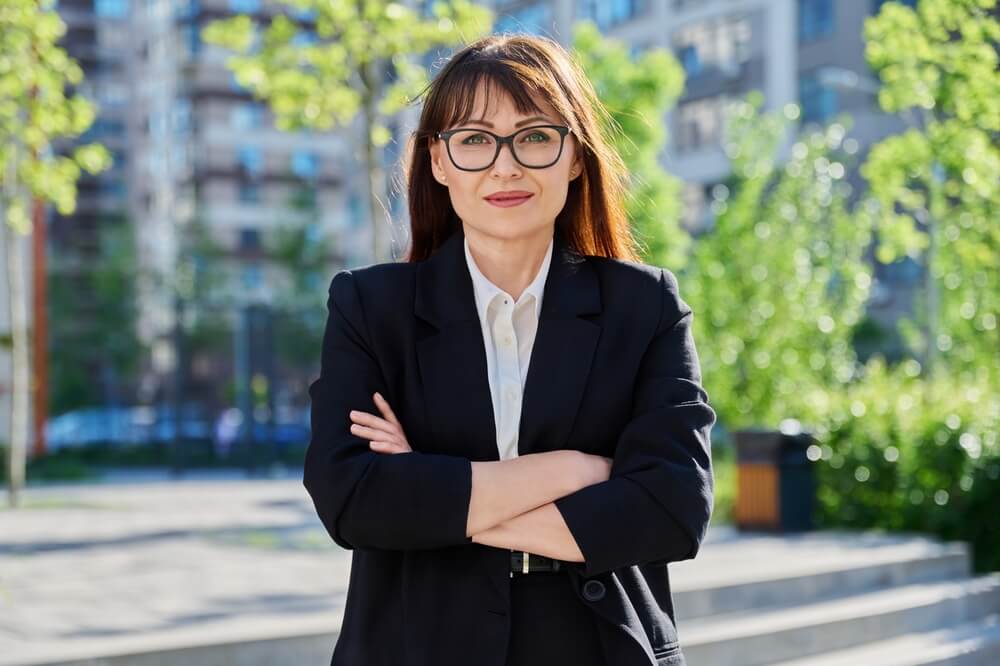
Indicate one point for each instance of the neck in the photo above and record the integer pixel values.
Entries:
(509, 263)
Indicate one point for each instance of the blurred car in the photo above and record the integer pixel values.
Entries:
(145, 425)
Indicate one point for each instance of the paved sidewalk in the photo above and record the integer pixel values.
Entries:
(92, 570)
(168, 567)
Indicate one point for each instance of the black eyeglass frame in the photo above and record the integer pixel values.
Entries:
(500, 141)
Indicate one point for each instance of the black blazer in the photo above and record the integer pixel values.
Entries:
(613, 371)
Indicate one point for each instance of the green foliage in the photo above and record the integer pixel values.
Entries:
(34, 111)
(53, 467)
(910, 453)
(301, 249)
(780, 281)
(327, 81)
(638, 93)
(724, 473)
(936, 185)
(93, 343)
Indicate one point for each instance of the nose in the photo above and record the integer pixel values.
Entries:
(505, 164)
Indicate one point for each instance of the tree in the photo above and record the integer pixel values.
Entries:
(302, 252)
(356, 57)
(34, 110)
(638, 92)
(937, 184)
(779, 280)
(93, 343)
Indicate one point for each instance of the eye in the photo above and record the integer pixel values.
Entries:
(536, 137)
(475, 139)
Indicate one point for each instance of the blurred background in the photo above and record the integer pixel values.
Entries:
(182, 178)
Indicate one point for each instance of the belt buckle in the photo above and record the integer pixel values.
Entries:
(525, 566)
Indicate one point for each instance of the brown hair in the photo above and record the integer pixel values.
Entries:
(526, 67)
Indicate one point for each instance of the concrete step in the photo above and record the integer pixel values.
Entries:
(749, 638)
(772, 580)
(974, 643)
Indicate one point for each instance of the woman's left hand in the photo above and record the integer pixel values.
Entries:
(385, 434)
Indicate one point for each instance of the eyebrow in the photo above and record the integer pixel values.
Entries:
(517, 124)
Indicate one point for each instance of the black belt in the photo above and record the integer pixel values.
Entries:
(522, 563)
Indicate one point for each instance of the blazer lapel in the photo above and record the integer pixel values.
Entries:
(452, 358)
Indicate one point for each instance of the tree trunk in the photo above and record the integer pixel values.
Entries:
(20, 389)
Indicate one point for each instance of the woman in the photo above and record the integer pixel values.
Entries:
(509, 429)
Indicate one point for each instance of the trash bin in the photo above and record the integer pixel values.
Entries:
(775, 483)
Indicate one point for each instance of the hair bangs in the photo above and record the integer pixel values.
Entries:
(491, 78)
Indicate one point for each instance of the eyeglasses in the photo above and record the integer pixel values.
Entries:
(535, 147)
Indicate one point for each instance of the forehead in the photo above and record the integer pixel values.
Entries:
(490, 101)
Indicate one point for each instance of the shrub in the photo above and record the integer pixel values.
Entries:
(907, 453)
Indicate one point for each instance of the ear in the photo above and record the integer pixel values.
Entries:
(576, 169)
(437, 167)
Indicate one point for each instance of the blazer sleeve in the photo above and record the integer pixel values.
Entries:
(367, 499)
(657, 503)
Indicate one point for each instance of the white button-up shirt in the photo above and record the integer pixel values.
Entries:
(509, 334)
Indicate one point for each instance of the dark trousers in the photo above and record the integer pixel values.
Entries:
(550, 624)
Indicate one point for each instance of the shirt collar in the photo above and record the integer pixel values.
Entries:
(486, 291)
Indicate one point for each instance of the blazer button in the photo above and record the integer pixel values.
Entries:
(593, 590)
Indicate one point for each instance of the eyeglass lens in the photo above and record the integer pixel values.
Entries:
(533, 147)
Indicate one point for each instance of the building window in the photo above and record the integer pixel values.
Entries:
(247, 116)
(250, 160)
(249, 238)
(305, 38)
(304, 15)
(250, 164)
(699, 123)
(819, 102)
(244, 6)
(637, 50)
(253, 277)
(719, 44)
(119, 159)
(535, 18)
(305, 164)
(192, 39)
(113, 188)
(186, 8)
(815, 19)
(182, 116)
(111, 9)
(249, 192)
(609, 13)
(688, 57)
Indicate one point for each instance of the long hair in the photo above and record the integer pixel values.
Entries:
(526, 67)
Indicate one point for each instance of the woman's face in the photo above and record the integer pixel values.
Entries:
(469, 190)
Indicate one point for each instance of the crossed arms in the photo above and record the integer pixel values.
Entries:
(653, 505)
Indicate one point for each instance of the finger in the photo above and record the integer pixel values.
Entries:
(373, 433)
(385, 447)
(383, 405)
(375, 422)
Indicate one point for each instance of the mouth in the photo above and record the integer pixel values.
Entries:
(508, 199)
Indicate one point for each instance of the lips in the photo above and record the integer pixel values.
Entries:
(513, 195)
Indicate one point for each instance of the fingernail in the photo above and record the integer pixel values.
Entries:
(378, 395)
